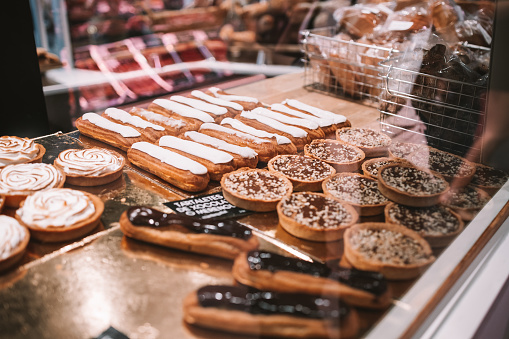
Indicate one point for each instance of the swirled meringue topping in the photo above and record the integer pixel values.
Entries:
(91, 162)
(28, 178)
(59, 207)
(11, 235)
(16, 150)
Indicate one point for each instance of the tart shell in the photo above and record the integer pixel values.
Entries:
(17, 254)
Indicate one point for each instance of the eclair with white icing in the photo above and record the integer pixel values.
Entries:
(232, 107)
(149, 131)
(192, 116)
(172, 167)
(217, 162)
(217, 112)
(248, 103)
(172, 125)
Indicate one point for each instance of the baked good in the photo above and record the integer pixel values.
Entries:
(149, 131)
(393, 250)
(242, 156)
(315, 216)
(343, 157)
(217, 162)
(270, 271)
(90, 166)
(358, 190)
(370, 167)
(345, 64)
(174, 168)
(16, 150)
(437, 224)
(282, 144)
(265, 149)
(19, 181)
(489, 179)
(410, 186)
(305, 173)
(193, 117)
(402, 150)
(107, 131)
(173, 125)
(246, 311)
(298, 136)
(231, 106)
(13, 242)
(224, 239)
(60, 214)
(339, 121)
(247, 103)
(218, 113)
(466, 201)
(326, 124)
(371, 142)
(255, 189)
(453, 168)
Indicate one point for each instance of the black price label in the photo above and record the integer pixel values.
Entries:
(206, 207)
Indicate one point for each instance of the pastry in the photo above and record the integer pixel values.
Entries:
(90, 167)
(410, 186)
(343, 157)
(242, 156)
(193, 117)
(326, 124)
(452, 167)
(314, 216)
(370, 167)
(231, 106)
(247, 103)
(174, 168)
(371, 142)
(298, 136)
(19, 181)
(466, 201)
(305, 173)
(339, 120)
(247, 311)
(107, 131)
(282, 144)
(255, 189)
(60, 214)
(218, 113)
(437, 224)
(173, 125)
(16, 150)
(345, 64)
(489, 179)
(13, 242)
(217, 162)
(358, 190)
(149, 131)
(265, 149)
(270, 271)
(224, 239)
(402, 150)
(393, 250)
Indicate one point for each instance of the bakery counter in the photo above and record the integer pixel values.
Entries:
(80, 289)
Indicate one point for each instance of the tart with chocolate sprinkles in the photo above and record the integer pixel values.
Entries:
(371, 142)
(402, 150)
(343, 157)
(370, 167)
(489, 179)
(466, 201)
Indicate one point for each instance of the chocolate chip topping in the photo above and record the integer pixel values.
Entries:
(412, 180)
(315, 210)
(302, 168)
(489, 176)
(356, 189)
(331, 151)
(435, 220)
(442, 162)
(257, 184)
(363, 137)
(403, 149)
(466, 197)
(373, 166)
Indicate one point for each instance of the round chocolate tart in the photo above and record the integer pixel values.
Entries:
(370, 167)
(466, 201)
(402, 150)
(489, 179)
(371, 142)
(343, 157)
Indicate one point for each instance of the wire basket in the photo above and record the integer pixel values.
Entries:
(336, 65)
(449, 113)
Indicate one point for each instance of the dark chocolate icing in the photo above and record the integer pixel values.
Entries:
(241, 298)
(368, 281)
(149, 217)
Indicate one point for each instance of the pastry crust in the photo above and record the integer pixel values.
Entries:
(75, 231)
(343, 157)
(295, 282)
(208, 244)
(305, 173)
(271, 187)
(435, 182)
(391, 270)
(371, 142)
(17, 253)
(266, 325)
(320, 222)
(465, 201)
(489, 179)
(370, 167)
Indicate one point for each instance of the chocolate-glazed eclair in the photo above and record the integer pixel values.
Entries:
(271, 271)
(225, 239)
(244, 310)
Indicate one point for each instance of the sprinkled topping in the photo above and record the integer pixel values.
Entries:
(257, 184)
(442, 162)
(388, 247)
(403, 149)
(333, 151)
(412, 180)
(434, 220)
(372, 166)
(489, 176)
(363, 137)
(356, 189)
(466, 197)
(302, 168)
(315, 210)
